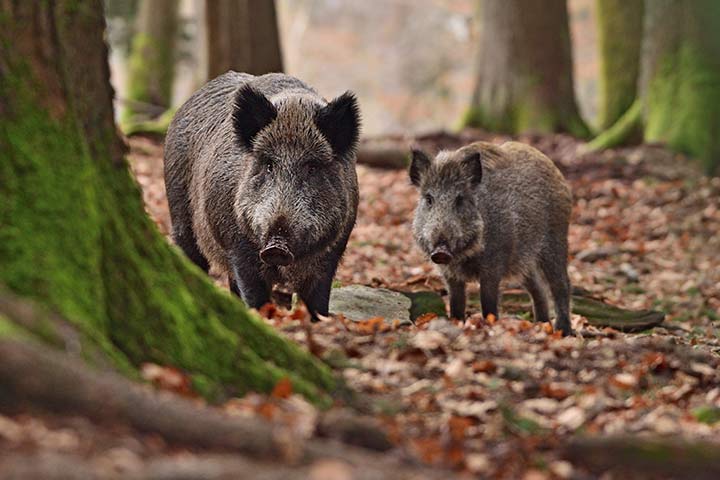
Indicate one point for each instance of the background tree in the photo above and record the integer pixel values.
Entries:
(679, 85)
(680, 79)
(620, 27)
(73, 233)
(524, 73)
(242, 36)
(151, 65)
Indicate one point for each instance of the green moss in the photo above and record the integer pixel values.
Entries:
(75, 238)
(151, 64)
(525, 116)
(683, 104)
(9, 329)
(620, 26)
(628, 127)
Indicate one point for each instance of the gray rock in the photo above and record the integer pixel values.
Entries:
(358, 302)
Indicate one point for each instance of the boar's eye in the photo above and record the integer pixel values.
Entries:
(313, 166)
(268, 166)
(459, 201)
(428, 199)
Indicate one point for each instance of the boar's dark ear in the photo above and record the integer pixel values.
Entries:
(339, 122)
(252, 112)
(473, 165)
(418, 165)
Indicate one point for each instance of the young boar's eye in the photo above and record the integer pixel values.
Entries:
(269, 167)
(428, 199)
(459, 201)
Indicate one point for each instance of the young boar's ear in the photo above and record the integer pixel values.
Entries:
(252, 112)
(473, 165)
(418, 165)
(339, 122)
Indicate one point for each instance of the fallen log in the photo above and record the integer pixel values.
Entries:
(391, 156)
(646, 458)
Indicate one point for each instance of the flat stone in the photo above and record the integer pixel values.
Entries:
(358, 303)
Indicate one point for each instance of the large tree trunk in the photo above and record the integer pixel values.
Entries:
(620, 27)
(524, 74)
(152, 61)
(242, 36)
(73, 233)
(680, 78)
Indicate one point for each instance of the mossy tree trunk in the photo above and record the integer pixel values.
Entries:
(620, 27)
(524, 72)
(242, 36)
(151, 65)
(73, 233)
(680, 79)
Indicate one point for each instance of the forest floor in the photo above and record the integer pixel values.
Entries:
(505, 398)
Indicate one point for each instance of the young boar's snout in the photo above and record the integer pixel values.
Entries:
(441, 254)
(277, 250)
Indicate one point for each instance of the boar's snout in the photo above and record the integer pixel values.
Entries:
(441, 255)
(276, 252)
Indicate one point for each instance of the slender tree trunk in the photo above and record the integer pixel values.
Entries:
(242, 36)
(680, 79)
(73, 233)
(524, 76)
(620, 27)
(152, 60)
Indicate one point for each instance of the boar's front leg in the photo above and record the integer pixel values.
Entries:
(316, 290)
(489, 294)
(457, 298)
(246, 281)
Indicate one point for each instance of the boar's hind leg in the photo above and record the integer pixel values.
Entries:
(457, 299)
(555, 269)
(185, 239)
(534, 286)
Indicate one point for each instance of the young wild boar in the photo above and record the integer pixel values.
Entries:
(261, 182)
(488, 212)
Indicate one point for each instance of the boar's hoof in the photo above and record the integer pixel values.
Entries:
(441, 255)
(277, 253)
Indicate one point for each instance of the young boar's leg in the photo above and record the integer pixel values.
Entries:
(534, 286)
(489, 294)
(555, 269)
(247, 281)
(457, 299)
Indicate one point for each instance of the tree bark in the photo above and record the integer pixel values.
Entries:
(152, 60)
(242, 36)
(680, 79)
(524, 74)
(73, 232)
(620, 27)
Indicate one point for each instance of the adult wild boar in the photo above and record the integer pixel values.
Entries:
(261, 182)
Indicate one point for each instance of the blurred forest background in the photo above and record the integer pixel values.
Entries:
(622, 95)
(411, 63)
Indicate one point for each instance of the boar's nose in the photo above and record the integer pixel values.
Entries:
(276, 252)
(441, 255)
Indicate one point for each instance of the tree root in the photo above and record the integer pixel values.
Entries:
(57, 466)
(648, 458)
(628, 126)
(35, 375)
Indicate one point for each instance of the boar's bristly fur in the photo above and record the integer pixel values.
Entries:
(489, 212)
(261, 182)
